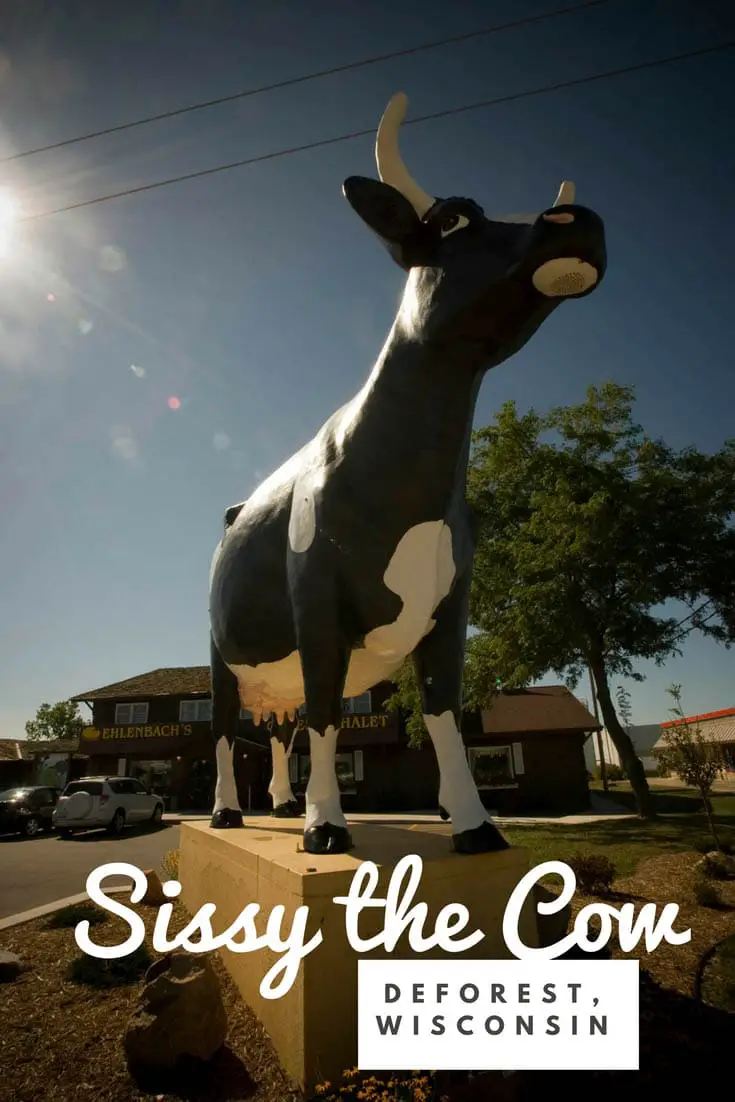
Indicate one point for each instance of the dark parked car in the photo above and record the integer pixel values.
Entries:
(27, 809)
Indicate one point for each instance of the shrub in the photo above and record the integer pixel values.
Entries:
(399, 1087)
(170, 865)
(78, 912)
(119, 972)
(594, 872)
(706, 894)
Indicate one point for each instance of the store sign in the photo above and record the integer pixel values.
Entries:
(351, 722)
(159, 730)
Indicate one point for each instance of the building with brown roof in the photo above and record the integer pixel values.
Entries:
(526, 750)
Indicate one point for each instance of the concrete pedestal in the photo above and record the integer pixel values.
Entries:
(314, 1026)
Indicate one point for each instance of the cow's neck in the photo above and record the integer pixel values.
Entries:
(416, 418)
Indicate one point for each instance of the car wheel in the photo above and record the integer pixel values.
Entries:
(118, 822)
(32, 826)
(157, 815)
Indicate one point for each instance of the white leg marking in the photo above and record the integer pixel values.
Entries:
(225, 792)
(458, 793)
(323, 803)
(280, 786)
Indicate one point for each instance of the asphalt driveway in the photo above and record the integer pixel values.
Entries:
(35, 871)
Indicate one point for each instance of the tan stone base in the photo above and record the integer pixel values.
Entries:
(314, 1026)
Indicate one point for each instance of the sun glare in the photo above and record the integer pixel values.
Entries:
(9, 213)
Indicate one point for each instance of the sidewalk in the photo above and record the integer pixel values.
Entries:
(600, 810)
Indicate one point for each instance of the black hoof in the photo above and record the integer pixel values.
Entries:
(483, 839)
(327, 839)
(226, 818)
(443, 814)
(289, 810)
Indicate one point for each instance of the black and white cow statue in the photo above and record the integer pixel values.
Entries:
(358, 551)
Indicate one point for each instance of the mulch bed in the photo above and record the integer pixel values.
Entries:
(61, 1040)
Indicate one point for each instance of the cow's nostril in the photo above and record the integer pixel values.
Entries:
(563, 218)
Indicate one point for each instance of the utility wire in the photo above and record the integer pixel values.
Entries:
(364, 63)
(260, 158)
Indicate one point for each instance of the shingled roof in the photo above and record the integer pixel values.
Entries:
(547, 708)
(167, 681)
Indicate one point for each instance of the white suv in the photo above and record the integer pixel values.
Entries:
(111, 802)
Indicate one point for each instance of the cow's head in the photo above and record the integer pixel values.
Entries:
(488, 283)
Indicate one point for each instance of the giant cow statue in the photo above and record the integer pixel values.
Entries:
(358, 551)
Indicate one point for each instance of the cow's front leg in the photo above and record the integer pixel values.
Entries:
(439, 663)
(225, 714)
(280, 791)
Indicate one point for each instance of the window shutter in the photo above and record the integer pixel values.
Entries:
(293, 768)
(518, 758)
(359, 775)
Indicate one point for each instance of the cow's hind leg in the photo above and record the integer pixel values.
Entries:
(439, 663)
(280, 791)
(324, 662)
(225, 714)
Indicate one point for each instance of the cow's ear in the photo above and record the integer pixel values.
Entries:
(388, 213)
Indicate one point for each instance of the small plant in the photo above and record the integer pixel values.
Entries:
(706, 894)
(594, 872)
(686, 753)
(399, 1087)
(78, 912)
(119, 972)
(170, 865)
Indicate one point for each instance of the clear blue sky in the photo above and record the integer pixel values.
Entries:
(258, 299)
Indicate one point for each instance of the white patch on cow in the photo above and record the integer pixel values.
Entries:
(302, 522)
(280, 787)
(458, 793)
(225, 792)
(421, 572)
(323, 804)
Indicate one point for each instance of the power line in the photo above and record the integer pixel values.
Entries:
(364, 63)
(322, 143)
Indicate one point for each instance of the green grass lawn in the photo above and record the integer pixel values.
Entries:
(682, 826)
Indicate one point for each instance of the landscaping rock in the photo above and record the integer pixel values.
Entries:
(154, 896)
(716, 865)
(551, 928)
(179, 1016)
(11, 966)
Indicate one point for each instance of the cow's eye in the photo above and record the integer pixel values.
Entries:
(452, 223)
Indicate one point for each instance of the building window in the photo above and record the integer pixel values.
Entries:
(348, 766)
(131, 713)
(492, 767)
(195, 711)
(361, 705)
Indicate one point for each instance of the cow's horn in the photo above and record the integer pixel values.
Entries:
(566, 195)
(391, 168)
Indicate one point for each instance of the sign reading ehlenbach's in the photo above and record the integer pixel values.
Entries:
(159, 730)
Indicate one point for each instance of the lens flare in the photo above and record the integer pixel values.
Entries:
(174, 403)
(9, 212)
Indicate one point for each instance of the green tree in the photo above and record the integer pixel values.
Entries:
(56, 721)
(685, 752)
(586, 527)
(480, 685)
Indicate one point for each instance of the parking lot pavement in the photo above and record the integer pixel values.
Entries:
(35, 871)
